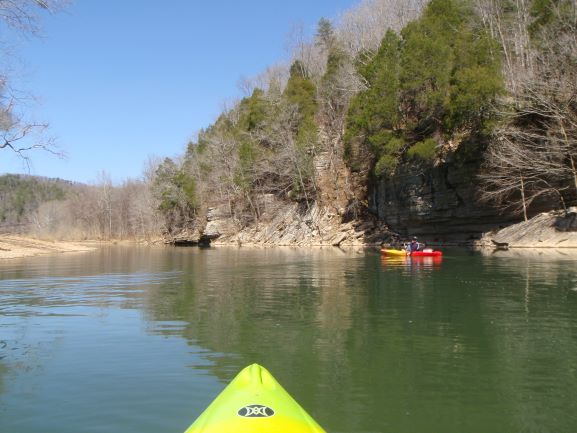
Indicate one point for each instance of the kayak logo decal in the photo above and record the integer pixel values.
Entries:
(255, 411)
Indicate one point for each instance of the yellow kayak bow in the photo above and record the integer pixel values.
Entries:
(254, 402)
(393, 253)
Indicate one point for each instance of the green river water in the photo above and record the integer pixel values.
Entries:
(139, 340)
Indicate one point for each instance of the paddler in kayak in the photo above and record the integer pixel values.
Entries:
(414, 245)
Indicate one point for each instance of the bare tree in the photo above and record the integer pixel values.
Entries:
(362, 28)
(508, 22)
(16, 132)
(272, 81)
(22, 136)
(310, 55)
(520, 168)
(534, 153)
(105, 204)
(23, 15)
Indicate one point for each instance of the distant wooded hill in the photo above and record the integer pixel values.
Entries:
(22, 195)
(56, 208)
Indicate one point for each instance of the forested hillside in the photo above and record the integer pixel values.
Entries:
(401, 113)
(394, 88)
(54, 208)
(21, 196)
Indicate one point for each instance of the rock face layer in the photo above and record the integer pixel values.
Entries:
(546, 230)
(291, 225)
(325, 221)
(438, 203)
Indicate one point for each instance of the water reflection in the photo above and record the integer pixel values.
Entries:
(342, 324)
(366, 343)
(412, 263)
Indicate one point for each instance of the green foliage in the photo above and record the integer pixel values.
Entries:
(266, 143)
(386, 165)
(325, 33)
(475, 83)
(553, 30)
(199, 147)
(543, 15)
(301, 92)
(335, 61)
(253, 111)
(373, 117)
(425, 150)
(187, 185)
(426, 64)
(175, 189)
(471, 99)
(164, 185)
(331, 93)
(20, 196)
(247, 158)
(438, 79)
(450, 70)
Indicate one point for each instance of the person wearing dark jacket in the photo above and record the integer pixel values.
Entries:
(414, 245)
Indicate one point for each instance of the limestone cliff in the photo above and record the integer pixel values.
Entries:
(331, 220)
(438, 203)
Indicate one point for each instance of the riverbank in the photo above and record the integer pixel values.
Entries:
(322, 229)
(546, 230)
(14, 246)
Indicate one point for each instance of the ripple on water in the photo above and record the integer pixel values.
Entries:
(55, 296)
(475, 344)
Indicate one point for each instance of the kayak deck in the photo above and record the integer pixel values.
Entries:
(254, 402)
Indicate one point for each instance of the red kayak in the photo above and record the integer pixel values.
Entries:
(402, 253)
(431, 253)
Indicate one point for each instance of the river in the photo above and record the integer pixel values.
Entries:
(135, 339)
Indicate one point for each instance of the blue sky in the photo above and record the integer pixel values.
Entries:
(120, 81)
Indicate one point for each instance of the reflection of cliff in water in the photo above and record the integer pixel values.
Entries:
(360, 342)
(341, 321)
(290, 310)
(536, 267)
(534, 334)
(255, 304)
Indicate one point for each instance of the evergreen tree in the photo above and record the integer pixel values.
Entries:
(175, 189)
(374, 114)
(438, 80)
(325, 36)
(450, 71)
(253, 111)
(300, 92)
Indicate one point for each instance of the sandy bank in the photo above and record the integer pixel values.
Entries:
(13, 246)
